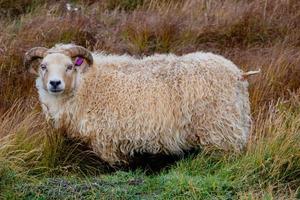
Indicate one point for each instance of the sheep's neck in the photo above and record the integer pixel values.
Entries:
(53, 106)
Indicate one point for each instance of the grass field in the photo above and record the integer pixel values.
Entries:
(37, 162)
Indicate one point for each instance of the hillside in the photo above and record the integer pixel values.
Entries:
(37, 162)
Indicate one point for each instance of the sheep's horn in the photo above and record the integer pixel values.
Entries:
(34, 53)
(80, 51)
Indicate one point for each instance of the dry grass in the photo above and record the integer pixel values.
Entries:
(252, 33)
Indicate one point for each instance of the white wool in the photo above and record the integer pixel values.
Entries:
(158, 104)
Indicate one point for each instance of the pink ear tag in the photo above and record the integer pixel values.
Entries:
(78, 61)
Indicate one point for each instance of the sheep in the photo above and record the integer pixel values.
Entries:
(160, 104)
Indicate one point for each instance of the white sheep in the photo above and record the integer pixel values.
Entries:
(121, 105)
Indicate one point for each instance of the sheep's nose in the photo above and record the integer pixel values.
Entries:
(54, 84)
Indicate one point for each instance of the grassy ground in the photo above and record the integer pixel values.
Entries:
(37, 162)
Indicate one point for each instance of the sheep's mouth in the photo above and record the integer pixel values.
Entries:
(56, 91)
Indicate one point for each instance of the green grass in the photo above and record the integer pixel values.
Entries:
(50, 167)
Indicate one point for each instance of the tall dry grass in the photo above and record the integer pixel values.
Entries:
(252, 33)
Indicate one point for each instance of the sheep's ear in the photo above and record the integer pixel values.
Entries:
(36, 53)
(33, 68)
(81, 64)
(33, 71)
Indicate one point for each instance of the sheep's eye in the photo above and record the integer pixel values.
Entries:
(43, 67)
(69, 67)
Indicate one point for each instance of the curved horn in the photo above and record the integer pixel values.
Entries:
(80, 51)
(34, 53)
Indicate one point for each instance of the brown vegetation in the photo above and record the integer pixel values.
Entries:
(252, 33)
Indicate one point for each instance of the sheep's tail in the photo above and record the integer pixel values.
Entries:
(250, 73)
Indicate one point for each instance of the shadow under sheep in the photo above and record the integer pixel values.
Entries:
(149, 163)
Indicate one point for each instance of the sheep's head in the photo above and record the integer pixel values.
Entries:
(59, 69)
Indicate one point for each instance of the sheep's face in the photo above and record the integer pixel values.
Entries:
(58, 73)
(60, 68)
